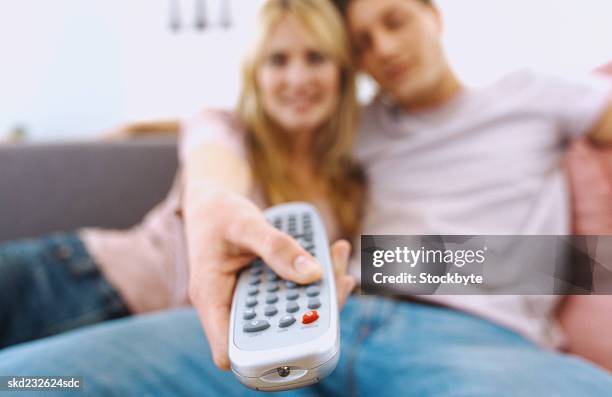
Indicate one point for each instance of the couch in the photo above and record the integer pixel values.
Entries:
(60, 187)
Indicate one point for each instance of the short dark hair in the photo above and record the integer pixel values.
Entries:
(343, 4)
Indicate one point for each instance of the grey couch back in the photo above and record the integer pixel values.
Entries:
(61, 187)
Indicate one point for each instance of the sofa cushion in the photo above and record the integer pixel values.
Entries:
(59, 187)
(590, 175)
(587, 320)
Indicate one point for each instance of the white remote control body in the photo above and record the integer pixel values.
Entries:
(283, 335)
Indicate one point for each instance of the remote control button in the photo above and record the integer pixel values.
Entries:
(286, 321)
(314, 303)
(252, 291)
(256, 326)
(313, 291)
(303, 242)
(272, 277)
(250, 302)
(254, 280)
(271, 298)
(272, 287)
(270, 311)
(292, 295)
(290, 284)
(310, 317)
(292, 307)
(256, 271)
(249, 314)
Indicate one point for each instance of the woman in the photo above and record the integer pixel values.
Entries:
(290, 139)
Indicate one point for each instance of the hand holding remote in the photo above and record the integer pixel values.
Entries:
(224, 235)
(284, 335)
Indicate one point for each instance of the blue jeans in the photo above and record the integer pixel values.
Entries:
(51, 285)
(389, 348)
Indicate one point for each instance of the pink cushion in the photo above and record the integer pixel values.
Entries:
(587, 320)
(590, 174)
(589, 171)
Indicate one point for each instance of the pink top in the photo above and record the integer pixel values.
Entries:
(488, 162)
(148, 263)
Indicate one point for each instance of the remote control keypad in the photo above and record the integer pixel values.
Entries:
(284, 294)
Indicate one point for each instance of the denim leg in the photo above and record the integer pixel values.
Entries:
(50, 285)
(424, 351)
(388, 349)
(161, 354)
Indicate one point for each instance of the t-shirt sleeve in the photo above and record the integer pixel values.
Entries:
(217, 127)
(577, 104)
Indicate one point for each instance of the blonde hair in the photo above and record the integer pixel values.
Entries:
(268, 147)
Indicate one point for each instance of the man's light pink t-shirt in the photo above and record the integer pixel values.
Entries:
(487, 163)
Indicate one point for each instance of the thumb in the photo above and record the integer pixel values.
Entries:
(279, 250)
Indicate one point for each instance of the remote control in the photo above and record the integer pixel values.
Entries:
(283, 335)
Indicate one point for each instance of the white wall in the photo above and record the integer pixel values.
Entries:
(486, 38)
(73, 68)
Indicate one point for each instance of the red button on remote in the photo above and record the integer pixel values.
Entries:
(310, 317)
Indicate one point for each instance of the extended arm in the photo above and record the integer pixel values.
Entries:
(225, 231)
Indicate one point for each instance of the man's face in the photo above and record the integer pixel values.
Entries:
(398, 42)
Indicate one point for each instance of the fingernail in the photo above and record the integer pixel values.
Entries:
(305, 266)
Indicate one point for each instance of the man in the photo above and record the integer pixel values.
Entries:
(441, 159)
(446, 159)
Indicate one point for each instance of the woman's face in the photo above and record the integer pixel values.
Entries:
(298, 84)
